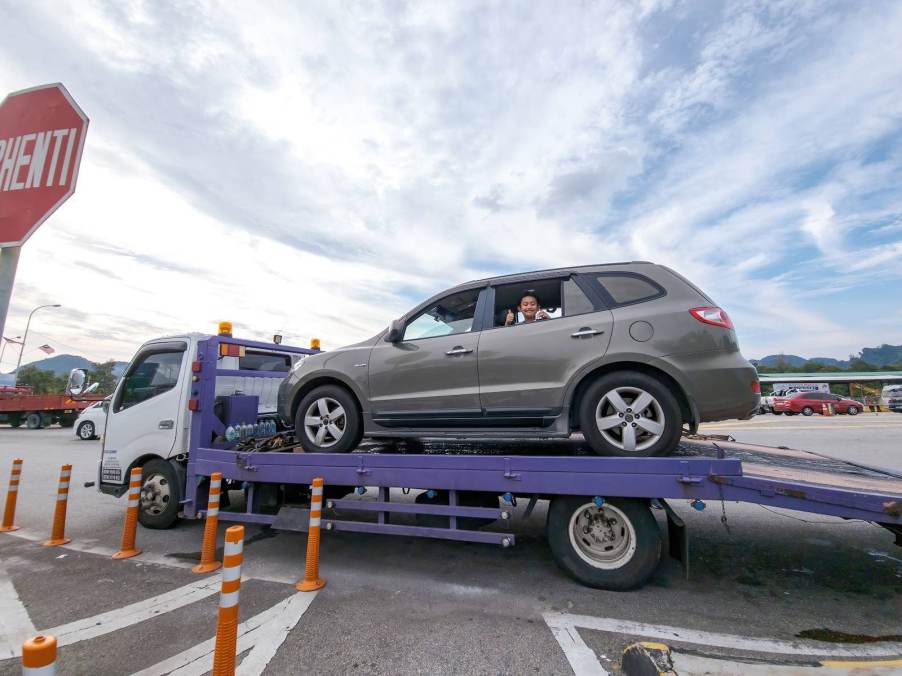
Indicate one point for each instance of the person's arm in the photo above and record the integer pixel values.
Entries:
(510, 318)
(541, 314)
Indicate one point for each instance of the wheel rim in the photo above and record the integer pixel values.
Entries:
(602, 536)
(155, 494)
(86, 431)
(630, 419)
(325, 422)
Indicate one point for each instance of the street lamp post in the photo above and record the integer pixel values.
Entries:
(25, 335)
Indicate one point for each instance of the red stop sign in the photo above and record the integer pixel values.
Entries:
(42, 133)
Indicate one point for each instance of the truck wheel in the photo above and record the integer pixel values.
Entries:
(160, 495)
(67, 420)
(807, 411)
(33, 421)
(616, 546)
(627, 413)
(85, 431)
(328, 421)
(15, 420)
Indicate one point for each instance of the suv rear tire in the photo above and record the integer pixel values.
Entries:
(613, 426)
(335, 421)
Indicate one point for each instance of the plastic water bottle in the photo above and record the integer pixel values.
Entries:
(231, 434)
(273, 428)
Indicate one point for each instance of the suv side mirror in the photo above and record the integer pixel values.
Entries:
(77, 380)
(395, 332)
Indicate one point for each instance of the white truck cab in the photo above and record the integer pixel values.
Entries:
(149, 422)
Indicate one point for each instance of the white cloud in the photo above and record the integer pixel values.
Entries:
(316, 168)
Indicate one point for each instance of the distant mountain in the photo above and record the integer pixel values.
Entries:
(876, 356)
(772, 360)
(830, 361)
(883, 355)
(61, 364)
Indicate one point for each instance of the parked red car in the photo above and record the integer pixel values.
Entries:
(808, 403)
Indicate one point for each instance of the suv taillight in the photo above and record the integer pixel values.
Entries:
(712, 315)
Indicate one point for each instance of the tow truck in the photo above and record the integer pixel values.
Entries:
(195, 404)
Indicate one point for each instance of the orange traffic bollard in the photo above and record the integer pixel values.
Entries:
(227, 626)
(127, 549)
(58, 534)
(312, 581)
(9, 512)
(208, 562)
(39, 655)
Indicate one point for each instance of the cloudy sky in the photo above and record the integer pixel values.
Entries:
(319, 167)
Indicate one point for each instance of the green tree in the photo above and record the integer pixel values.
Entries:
(43, 382)
(103, 374)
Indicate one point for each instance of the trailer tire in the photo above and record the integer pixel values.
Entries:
(331, 397)
(161, 493)
(628, 553)
(85, 431)
(33, 421)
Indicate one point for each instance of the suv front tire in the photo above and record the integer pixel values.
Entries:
(328, 421)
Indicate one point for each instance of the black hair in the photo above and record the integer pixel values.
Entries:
(531, 294)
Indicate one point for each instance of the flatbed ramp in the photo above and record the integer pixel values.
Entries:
(598, 505)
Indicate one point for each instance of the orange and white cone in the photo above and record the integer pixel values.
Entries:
(12, 493)
(127, 549)
(58, 533)
(227, 627)
(39, 656)
(312, 581)
(208, 562)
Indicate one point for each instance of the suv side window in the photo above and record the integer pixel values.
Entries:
(628, 289)
(575, 301)
(153, 374)
(449, 316)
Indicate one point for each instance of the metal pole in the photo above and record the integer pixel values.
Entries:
(9, 261)
(25, 336)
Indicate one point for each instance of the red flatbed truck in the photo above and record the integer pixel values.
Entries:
(19, 404)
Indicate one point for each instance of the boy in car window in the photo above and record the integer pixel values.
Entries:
(529, 307)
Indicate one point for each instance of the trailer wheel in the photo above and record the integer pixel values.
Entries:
(160, 495)
(33, 421)
(328, 421)
(616, 546)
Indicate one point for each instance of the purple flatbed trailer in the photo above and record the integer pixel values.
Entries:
(599, 518)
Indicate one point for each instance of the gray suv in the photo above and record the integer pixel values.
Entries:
(626, 353)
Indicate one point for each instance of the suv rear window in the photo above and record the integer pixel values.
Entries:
(627, 289)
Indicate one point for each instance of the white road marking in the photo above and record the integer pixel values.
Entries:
(563, 626)
(15, 624)
(104, 623)
(262, 634)
(581, 657)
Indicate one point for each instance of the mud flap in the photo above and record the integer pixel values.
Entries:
(677, 538)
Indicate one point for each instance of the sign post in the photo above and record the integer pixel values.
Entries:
(42, 134)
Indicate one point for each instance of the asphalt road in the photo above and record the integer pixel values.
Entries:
(403, 605)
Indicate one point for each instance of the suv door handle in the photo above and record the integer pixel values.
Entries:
(585, 331)
(458, 350)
